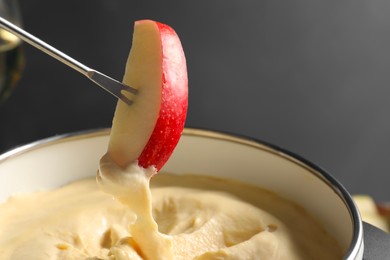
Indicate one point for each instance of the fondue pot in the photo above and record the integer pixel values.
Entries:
(53, 162)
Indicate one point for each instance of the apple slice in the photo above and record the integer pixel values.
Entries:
(370, 213)
(149, 129)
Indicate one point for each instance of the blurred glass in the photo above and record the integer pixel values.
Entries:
(11, 53)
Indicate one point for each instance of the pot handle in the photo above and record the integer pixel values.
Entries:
(376, 243)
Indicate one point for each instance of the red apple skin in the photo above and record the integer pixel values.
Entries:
(174, 102)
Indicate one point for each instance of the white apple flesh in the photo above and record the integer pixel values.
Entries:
(149, 129)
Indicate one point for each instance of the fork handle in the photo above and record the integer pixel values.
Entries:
(41, 45)
(113, 86)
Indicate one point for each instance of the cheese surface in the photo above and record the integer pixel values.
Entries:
(169, 217)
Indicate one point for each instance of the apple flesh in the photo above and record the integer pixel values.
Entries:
(149, 129)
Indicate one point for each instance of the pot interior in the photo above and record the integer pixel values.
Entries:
(54, 162)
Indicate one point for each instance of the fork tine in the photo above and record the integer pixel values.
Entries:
(116, 88)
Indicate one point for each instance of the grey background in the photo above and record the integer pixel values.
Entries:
(309, 76)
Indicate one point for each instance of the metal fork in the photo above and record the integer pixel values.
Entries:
(113, 86)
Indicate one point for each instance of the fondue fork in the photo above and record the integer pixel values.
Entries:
(113, 86)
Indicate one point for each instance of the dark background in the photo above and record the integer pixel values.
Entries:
(310, 76)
